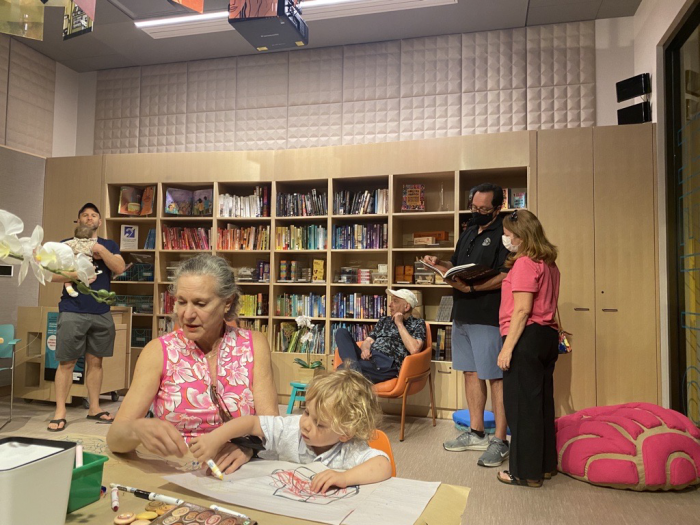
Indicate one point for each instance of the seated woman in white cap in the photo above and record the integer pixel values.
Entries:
(394, 337)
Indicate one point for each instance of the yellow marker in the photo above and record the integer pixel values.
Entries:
(215, 469)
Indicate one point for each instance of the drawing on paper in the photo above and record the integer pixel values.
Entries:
(296, 485)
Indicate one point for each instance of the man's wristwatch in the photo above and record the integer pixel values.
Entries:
(471, 288)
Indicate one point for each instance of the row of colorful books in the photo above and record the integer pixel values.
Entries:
(294, 305)
(289, 339)
(358, 331)
(255, 205)
(309, 237)
(243, 238)
(361, 203)
(360, 236)
(358, 306)
(167, 302)
(165, 325)
(177, 238)
(302, 205)
(442, 346)
(258, 325)
(253, 304)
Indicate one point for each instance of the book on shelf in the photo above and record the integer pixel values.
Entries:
(368, 202)
(358, 331)
(150, 243)
(310, 204)
(444, 314)
(136, 201)
(467, 272)
(243, 238)
(319, 271)
(517, 198)
(255, 205)
(129, 239)
(189, 203)
(176, 238)
(413, 198)
(360, 236)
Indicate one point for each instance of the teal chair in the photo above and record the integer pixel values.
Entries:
(7, 351)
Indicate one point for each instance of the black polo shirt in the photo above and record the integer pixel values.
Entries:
(480, 248)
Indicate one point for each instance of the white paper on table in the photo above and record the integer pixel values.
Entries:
(396, 501)
(279, 487)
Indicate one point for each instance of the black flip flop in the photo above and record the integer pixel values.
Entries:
(512, 480)
(99, 419)
(57, 422)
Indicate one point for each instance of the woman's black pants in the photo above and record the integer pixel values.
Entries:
(528, 396)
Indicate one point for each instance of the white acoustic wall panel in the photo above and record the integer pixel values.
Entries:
(162, 133)
(119, 135)
(372, 71)
(4, 71)
(262, 81)
(370, 121)
(118, 93)
(163, 111)
(315, 125)
(211, 85)
(316, 76)
(431, 117)
(30, 100)
(262, 128)
(211, 131)
(561, 75)
(561, 54)
(164, 90)
(494, 60)
(431, 66)
(494, 111)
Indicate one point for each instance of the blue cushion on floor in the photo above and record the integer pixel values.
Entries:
(462, 421)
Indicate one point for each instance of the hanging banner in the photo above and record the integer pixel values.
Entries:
(194, 5)
(22, 18)
(50, 362)
(88, 6)
(75, 21)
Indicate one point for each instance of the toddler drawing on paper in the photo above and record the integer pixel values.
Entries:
(82, 242)
(341, 415)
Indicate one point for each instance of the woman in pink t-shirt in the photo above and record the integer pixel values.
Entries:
(200, 375)
(527, 314)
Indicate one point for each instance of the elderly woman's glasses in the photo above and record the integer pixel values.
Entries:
(220, 404)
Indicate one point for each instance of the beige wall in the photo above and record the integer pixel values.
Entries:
(614, 61)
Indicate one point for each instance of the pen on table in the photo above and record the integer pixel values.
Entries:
(228, 511)
(115, 499)
(212, 466)
(144, 494)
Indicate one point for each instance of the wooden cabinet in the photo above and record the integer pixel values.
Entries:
(596, 201)
(626, 265)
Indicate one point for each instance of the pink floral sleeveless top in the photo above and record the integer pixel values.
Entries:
(184, 397)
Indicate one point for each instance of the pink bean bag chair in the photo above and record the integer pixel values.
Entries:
(637, 446)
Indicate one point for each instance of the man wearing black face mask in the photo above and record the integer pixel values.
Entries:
(476, 341)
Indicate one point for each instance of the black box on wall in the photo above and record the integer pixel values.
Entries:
(636, 114)
(633, 87)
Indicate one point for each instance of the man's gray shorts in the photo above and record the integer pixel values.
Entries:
(77, 334)
(475, 348)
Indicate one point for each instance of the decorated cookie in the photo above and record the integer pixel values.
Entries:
(125, 518)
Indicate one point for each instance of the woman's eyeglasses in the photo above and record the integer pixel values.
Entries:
(220, 404)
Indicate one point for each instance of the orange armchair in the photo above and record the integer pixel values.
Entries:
(415, 372)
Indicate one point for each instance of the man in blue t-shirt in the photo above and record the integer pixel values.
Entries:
(85, 327)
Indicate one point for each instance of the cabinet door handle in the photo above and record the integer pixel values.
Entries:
(582, 309)
(445, 371)
(610, 309)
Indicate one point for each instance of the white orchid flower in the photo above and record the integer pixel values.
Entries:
(308, 336)
(304, 321)
(10, 227)
(30, 247)
(84, 268)
(54, 256)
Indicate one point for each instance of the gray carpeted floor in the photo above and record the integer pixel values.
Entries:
(562, 500)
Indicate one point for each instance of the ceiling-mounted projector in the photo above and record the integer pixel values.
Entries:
(269, 26)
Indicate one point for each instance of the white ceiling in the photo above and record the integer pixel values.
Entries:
(116, 42)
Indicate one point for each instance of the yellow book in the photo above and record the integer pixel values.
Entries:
(319, 271)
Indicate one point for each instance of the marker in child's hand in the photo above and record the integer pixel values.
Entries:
(212, 466)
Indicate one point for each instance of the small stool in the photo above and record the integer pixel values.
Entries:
(298, 394)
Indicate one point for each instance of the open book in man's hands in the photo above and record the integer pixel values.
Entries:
(466, 272)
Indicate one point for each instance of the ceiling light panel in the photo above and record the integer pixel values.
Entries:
(325, 9)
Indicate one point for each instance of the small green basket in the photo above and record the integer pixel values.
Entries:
(86, 483)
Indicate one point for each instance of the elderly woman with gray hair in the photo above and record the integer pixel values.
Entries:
(199, 376)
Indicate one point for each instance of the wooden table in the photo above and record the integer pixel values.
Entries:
(445, 508)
